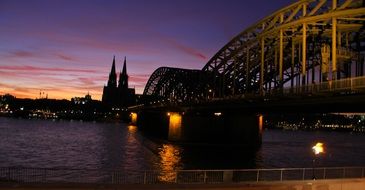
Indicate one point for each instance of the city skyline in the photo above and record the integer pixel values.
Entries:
(65, 48)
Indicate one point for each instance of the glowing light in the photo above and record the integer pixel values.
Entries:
(318, 148)
(168, 113)
(261, 123)
(175, 126)
(134, 117)
(218, 113)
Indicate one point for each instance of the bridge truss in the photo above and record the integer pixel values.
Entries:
(307, 42)
(179, 85)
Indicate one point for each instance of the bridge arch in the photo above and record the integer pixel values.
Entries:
(178, 85)
(308, 42)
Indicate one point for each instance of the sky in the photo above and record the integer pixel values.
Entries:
(64, 48)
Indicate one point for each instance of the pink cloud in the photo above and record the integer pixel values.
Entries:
(5, 73)
(22, 53)
(139, 78)
(52, 69)
(65, 57)
(186, 49)
(179, 46)
(87, 81)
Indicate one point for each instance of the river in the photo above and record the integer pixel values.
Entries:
(93, 145)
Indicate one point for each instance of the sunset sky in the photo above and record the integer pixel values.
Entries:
(65, 48)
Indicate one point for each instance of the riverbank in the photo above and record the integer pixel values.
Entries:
(337, 184)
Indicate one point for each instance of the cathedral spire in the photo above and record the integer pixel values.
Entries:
(123, 77)
(112, 82)
(113, 66)
(120, 96)
(124, 72)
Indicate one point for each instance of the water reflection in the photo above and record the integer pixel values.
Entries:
(170, 161)
(218, 157)
(132, 129)
(133, 158)
(44, 143)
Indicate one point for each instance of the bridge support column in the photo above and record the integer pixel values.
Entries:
(175, 125)
(133, 118)
(227, 127)
(197, 126)
(154, 123)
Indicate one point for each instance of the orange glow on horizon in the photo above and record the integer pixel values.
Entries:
(52, 94)
(60, 93)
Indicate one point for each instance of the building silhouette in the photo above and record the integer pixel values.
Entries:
(118, 95)
(82, 100)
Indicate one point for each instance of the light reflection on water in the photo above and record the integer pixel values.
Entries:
(87, 145)
(130, 154)
(170, 161)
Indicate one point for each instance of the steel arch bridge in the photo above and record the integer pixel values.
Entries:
(308, 46)
(178, 85)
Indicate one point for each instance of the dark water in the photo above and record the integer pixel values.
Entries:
(87, 145)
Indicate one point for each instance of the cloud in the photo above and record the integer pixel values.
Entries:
(39, 54)
(7, 74)
(51, 69)
(22, 53)
(3, 85)
(65, 57)
(186, 49)
(141, 78)
(87, 81)
(16, 90)
(23, 90)
(179, 46)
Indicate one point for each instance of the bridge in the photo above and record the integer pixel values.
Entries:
(308, 55)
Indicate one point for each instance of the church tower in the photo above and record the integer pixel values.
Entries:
(123, 77)
(109, 91)
(118, 96)
(112, 82)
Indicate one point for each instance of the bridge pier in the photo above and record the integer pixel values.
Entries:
(225, 127)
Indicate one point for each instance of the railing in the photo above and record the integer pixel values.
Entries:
(342, 85)
(52, 175)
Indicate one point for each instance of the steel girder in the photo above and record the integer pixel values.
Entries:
(282, 48)
(179, 85)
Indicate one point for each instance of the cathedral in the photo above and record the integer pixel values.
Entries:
(118, 95)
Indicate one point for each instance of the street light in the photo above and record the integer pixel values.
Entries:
(317, 149)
